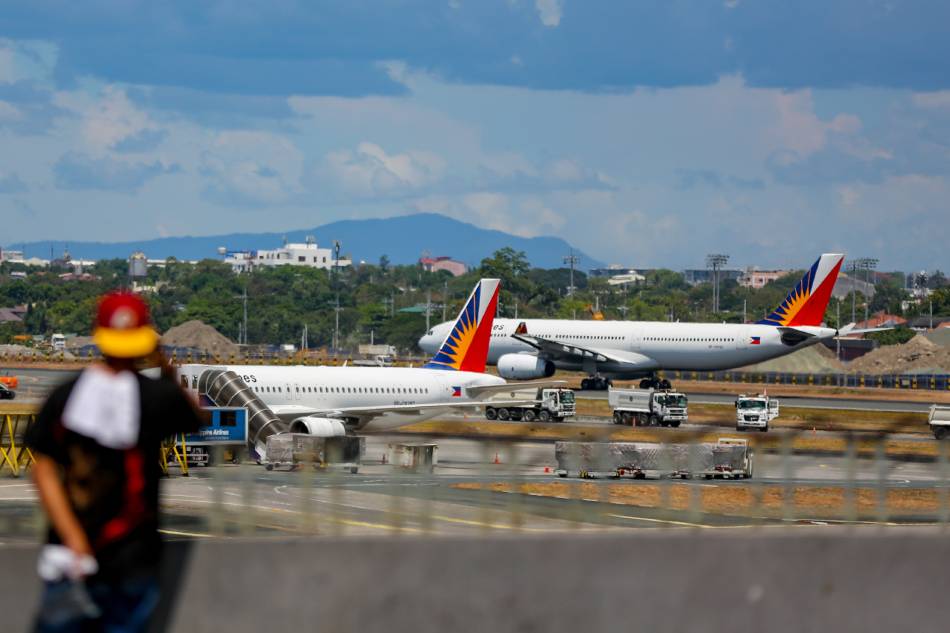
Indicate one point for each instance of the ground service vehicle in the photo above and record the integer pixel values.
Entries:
(939, 421)
(653, 407)
(58, 342)
(11, 382)
(728, 458)
(549, 404)
(6, 393)
(755, 412)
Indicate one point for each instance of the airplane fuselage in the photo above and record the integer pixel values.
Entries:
(673, 346)
(331, 388)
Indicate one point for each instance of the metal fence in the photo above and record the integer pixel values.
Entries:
(931, 382)
(504, 478)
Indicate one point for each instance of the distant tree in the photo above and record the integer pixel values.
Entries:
(384, 264)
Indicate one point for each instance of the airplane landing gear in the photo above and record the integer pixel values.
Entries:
(656, 383)
(596, 383)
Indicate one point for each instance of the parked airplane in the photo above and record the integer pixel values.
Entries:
(332, 400)
(534, 348)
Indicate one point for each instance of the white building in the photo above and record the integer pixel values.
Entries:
(309, 255)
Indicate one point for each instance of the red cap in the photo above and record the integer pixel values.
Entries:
(123, 326)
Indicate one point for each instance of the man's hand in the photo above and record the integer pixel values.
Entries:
(56, 503)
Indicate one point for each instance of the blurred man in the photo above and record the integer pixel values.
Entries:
(97, 446)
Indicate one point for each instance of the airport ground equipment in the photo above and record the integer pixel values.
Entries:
(648, 407)
(6, 393)
(10, 382)
(755, 412)
(14, 453)
(728, 457)
(291, 450)
(550, 404)
(413, 457)
(227, 428)
(939, 421)
(226, 389)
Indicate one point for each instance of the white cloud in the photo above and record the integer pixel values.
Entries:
(9, 112)
(108, 118)
(525, 216)
(26, 60)
(252, 168)
(370, 171)
(932, 100)
(549, 11)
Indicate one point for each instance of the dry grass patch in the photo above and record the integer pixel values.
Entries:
(823, 502)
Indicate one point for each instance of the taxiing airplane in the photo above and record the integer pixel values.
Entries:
(330, 401)
(535, 348)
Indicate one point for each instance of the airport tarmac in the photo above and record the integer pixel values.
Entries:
(247, 500)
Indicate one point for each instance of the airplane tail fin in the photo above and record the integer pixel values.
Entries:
(806, 303)
(466, 346)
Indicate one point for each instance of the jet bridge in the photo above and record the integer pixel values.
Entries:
(226, 389)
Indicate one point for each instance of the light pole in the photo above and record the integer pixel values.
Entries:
(572, 261)
(716, 262)
(867, 264)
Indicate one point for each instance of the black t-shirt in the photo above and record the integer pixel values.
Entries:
(114, 493)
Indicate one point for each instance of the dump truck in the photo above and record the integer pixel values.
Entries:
(755, 412)
(550, 404)
(727, 458)
(939, 421)
(648, 407)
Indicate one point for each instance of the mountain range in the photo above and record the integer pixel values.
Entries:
(403, 239)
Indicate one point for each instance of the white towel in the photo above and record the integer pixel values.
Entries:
(105, 406)
(58, 561)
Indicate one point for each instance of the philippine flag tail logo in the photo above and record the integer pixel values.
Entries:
(806, 303)
(466, 346)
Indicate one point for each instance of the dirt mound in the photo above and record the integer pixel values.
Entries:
(918, 355)
(939, 337)
(816, 359)
(201, 337)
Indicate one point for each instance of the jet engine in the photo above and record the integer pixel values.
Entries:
(321, 427)
(524, 367)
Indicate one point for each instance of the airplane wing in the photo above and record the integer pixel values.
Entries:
(290, 412)
(570, 352)
(490, 390)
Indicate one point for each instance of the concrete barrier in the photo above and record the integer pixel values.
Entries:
(735, 580)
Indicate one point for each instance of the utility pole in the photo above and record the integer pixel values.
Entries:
(622, 309)
(572, 261)
(516, 309)
(428, 307)
(336, 325)
(445, 299)
(743, 310)
(716, 262)
(244, 329)
(852, 275)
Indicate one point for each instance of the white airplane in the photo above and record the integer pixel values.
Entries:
(535, 348)
(329, 401)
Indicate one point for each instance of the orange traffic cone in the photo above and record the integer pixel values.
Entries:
(496, 460)
(547, 469)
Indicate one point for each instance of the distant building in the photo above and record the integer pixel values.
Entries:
(308, 255)
(753, 278)
(845, 285)
(630, 278)
(881, 319)
(138, 265)
(696, 276)
(16, 257)
(433, 264)
(12, 315)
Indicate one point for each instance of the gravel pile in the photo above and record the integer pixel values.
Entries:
(816, 359)
(199, 336)
(12, 351)
(916, 356)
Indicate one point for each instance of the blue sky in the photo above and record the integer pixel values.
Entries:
(647, 133)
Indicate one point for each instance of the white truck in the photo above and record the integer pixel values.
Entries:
(939, 421)
(550, 404)
(379, 360)
(755, 412)
(58, 342)
(648, 407)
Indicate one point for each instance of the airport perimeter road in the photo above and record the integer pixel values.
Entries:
(35, 384)
(810, 402)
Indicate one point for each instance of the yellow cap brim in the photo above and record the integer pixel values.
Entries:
(126, 343)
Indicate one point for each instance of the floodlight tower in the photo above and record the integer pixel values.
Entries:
(572, 261)
(867, 264)
(716, 262)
